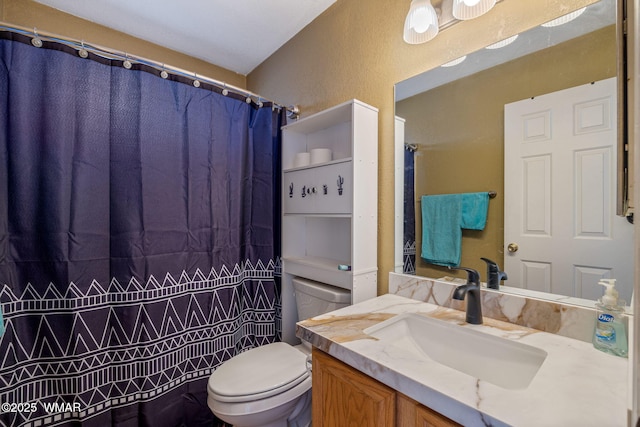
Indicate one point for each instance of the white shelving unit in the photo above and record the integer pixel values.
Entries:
(330, 210)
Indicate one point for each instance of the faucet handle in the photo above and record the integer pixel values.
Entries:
(472, 275)
(491, 265)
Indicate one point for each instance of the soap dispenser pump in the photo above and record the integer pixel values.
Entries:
(609, 334)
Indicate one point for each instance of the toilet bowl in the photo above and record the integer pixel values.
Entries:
(261, 387)
(270, 386)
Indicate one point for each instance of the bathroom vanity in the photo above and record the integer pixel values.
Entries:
(374, 360)
(347, 396)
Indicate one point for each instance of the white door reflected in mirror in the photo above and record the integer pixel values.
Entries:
(560, 166)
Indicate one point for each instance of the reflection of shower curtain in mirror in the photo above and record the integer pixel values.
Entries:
(137, 239)
(409, 240)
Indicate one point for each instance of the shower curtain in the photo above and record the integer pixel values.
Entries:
(138, 224)
(409, 234)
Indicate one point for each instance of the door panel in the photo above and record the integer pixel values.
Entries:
(560, 181)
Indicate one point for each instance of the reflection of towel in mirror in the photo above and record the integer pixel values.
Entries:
(443, 218)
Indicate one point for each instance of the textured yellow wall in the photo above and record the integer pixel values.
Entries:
(355, 50)
(29, 14)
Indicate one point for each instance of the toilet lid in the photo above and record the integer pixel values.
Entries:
(264, 371)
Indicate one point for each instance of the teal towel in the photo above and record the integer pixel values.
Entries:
(474, 210)
(443, 218)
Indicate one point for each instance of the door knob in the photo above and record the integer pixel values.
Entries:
(513, 247)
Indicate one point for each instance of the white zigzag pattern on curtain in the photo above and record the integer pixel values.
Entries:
(116, 366)
(409, 254)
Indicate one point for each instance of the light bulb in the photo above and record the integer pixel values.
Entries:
(421, 23)
(420, 20)
(469, 9)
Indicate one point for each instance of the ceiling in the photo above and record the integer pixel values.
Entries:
(234, 34)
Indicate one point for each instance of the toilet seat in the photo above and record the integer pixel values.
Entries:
(267, 371)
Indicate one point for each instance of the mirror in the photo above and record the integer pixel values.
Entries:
(451, 121)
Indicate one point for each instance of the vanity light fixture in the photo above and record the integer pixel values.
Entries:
(469, 9)
(427, 17)
(421, 24)
(564, 18)
(502, 43)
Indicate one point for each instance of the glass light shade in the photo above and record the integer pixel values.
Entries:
(454, 62)
(564, 19)
(502, 43)
(421, 24)
(469, 9)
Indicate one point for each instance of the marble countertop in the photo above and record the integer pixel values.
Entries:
(576, 385)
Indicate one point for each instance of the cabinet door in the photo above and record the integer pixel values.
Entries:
(343, 396)
(414, 414)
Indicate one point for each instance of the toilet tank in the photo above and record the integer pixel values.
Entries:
(315, 298)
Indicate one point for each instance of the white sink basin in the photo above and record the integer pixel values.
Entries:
(505, 363)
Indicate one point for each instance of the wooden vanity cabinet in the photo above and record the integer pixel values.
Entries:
(344, 396)
(413, 414)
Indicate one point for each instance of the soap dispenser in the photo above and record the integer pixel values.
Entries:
(609, 334)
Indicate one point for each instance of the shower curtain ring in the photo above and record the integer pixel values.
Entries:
(225, 91)
(82, 52)
(36, 41)
(196, 82)
(126, 63)
(163, 73)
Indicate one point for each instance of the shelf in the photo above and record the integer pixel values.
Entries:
(317, 165)
(329, 209)
(323, 270)
(342, 113)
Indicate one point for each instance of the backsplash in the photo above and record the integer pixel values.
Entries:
(556, 317)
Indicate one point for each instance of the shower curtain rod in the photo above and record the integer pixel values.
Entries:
(83, 49)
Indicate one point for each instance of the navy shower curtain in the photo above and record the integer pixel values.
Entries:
(138, 224)
(409, 229)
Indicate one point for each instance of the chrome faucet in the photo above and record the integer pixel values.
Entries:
(494, 275)
(474, 300)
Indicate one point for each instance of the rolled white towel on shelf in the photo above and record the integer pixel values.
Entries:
(320, 155)
(301, 159)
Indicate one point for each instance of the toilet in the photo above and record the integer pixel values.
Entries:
(270, 386)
